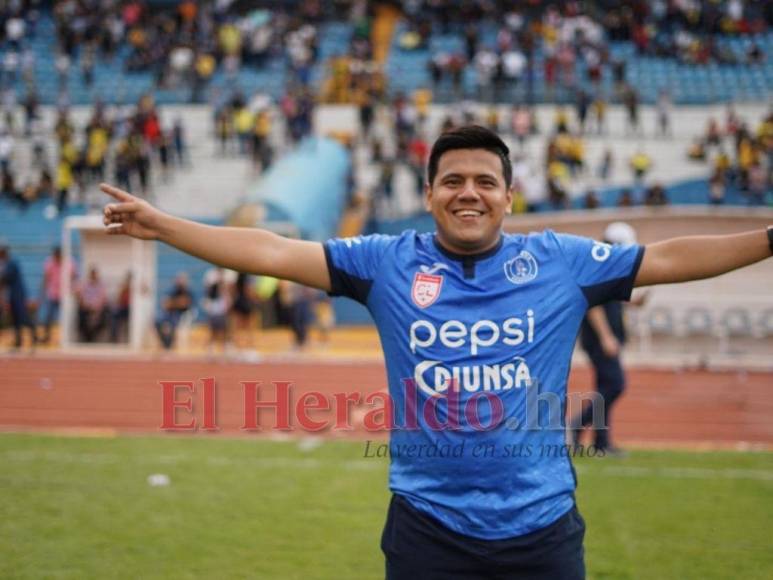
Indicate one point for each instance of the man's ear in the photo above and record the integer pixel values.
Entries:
(509, 196)
(428, 197)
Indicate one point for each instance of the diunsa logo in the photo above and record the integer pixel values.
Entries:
(521, 269)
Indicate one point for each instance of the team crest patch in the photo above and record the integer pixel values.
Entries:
(426, 289)
(521, 269)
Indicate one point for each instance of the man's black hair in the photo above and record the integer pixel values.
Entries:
(470, 137)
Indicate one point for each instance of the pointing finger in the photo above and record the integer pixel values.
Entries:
(115, 193)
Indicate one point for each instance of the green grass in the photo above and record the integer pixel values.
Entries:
(249, 508)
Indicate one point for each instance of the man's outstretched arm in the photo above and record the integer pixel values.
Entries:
(246, 250)
(699, 257)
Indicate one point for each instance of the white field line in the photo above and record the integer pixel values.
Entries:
(678, 472)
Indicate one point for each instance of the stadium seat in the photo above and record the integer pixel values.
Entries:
(734, 322)
(660, 320)
(765, 323)
(697, 320)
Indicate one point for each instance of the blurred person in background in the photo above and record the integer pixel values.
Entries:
(664, 107)
(602, 337)
(242, 311)
(119, 314)
(93, 307)
(52, 288)
(178, 301)
(12, 285)
(216, 304)
(297, 302)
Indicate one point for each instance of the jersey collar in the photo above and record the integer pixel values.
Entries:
(468, 260)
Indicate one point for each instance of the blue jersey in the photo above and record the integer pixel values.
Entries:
(478, 350)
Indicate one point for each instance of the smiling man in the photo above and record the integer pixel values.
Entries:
(470, 319)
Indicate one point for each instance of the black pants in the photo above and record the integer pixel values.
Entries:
(20, 318)
(417, 546)
(610, 384)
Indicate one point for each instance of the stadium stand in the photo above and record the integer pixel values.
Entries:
(383, 194)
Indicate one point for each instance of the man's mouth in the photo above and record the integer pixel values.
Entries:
(467, 213)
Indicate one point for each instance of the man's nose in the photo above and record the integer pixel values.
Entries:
(469, 192)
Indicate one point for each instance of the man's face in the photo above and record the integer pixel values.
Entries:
(468, 199)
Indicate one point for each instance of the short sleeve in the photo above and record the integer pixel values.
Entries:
(353, 263)
(603, 271)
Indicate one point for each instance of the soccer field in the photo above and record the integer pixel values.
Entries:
(253, 508)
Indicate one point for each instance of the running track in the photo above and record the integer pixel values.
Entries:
(112, 396)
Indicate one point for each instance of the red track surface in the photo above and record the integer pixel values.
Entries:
(124, 396)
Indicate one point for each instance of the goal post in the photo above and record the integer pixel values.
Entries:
(114, 257)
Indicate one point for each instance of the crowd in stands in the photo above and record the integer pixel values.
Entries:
(182, 44)
(188, 42)
(549, 182)
(120, 144)
(565, 34)
(355, 76)
(739, 155)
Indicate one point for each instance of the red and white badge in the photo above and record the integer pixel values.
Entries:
(426, 289)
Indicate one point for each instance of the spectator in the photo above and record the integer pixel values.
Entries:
(179, 142)
(12, 282)
(757, 183)
(664, 107)
(600, 112)
(296, 300)
(591, 200)
(6, 150)
(713, 134)
(262, 152)
(631, 102)
(119, 315)
(656, 196)
(65, 178)
(717, 189)
(216, 304)
(52, 289)
(242, 309)
(177, 302)
(605, 167)
(521, 124)
(92, 307)
(640, 164)
(603, 337)
(582, 104)
(625, 199)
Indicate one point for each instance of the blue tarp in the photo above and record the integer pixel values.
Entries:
(307, 187)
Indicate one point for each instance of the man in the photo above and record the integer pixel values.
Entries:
(467, 313)
(11, 279)
(52, 288)
(602, 337)
(92, 307)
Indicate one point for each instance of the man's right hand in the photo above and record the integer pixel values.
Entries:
(249, 250)
(131, 216)
(610, 345)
